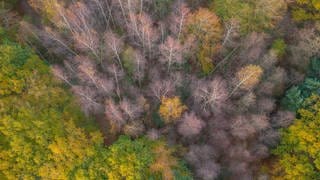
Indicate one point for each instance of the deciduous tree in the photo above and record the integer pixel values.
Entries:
(190, 125)
(206, 28)
(171, 109)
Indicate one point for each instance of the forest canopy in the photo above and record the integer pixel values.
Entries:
(159, 89)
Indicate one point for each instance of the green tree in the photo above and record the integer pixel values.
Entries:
(306, 10)
(129, 159)
(253, 15)
(206, 29)
(161, 8)
(299, 149)
(171, 109)
(279, 46)
(296, 95)
(43, 133)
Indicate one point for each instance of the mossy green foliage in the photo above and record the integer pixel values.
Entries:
(253, 15)
(279, 46)
(7, 4)
(126, 57)
(129, 159)
(296, 95)
(161, 8)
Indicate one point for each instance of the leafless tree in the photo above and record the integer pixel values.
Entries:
(208, 170)
(87, 73)
(260, 151)
(141, 31)
(130, 110)
(270, 137)
(308, 46)
(172, 52)
(265, 105)
(190, 125)
(232, 28)
(241, 127)
(211, 95)
(137, 63)
(254, 46)
(162, 88)
(117, 76)
(114, 46)
(282, 119)
(114, 114)
(247, 101)
(202, 158)
(275, 82)
(177, 18)
(60, 73)
(259, 122)
(77, 20)
(269, 59)
(134, 129)
(153, 134)
(87, 97)
(220, 139)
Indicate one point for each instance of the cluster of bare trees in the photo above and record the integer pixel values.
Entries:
(121, 61)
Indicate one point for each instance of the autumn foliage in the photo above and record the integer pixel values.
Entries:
(171, 109)
(159, 89)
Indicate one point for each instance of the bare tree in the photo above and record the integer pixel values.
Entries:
(87, 97)
(190, 125)
(162, 88)
(270, 137)
(177, 19)
(87, 68)
(247, 101)
(202, 158)
(60, 73)
(114, 46)
(117, 76)
(260, 122)
(87, 72)
(211, 95)
(308, 46)
(266, 105)
(114, 114)
(134, 129)
(121, 9)
(208, 170)
(241, 127)
(275, 82)
(142, 32)
(130, 110)
(254, 46)
(282, 119)
(78, 21)
(153, 134)
(269, 60)
(220, 139)
(232, 28)
(135, 63)
(172, 52)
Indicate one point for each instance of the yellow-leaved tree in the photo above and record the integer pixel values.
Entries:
(171, 109)
(205, 26)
